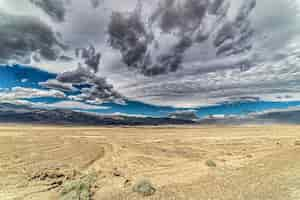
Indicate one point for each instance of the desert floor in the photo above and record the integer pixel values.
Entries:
(251, 162)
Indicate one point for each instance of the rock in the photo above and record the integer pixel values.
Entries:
(144, 187)
(45, 174)
(127, 182)
(117, 173)
(53, 173)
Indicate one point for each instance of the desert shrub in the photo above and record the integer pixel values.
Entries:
(78, 189)
(144, 187)
(210, 163)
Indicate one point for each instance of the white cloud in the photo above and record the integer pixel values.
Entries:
(74, 105)
(28, 93)
(71, 105)
(55, 84)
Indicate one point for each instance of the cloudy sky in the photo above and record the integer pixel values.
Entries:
(166, 53)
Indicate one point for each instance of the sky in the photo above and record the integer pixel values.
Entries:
(151, 57)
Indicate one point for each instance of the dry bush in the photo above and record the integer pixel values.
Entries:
(210, 163)
(144, 187)
(78, 189)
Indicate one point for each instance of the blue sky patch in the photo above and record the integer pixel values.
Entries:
(22, 76)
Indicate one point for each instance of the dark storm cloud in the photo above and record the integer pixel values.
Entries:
(100, 91)
(235, 37)
(129, 35)
(90, 56)
(54, 8)
(185, 16)
(215, 6)
(22, 35)
(184, 23)
(78, 76)
(96, 3)
(56, 85)
(85, 74)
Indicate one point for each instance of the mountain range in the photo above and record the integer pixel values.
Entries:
(11, 113)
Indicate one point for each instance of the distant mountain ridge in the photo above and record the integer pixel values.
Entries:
(10, 113)
(271, 117)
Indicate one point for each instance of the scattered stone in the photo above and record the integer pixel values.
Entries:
(249, 156)
(211, 163)
(57, 183)
(144, 187)
(127, 182)
(53, 177)
(45, 174)
(53, 174)
(117, 173)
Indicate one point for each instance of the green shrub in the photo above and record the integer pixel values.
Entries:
(144, 187)
(211, 163)
(78, 189)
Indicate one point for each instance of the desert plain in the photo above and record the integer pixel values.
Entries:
(178, 162)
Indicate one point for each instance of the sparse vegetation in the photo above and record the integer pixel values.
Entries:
(78, 189)
(54, 164)
(210, 163)
(144, 187)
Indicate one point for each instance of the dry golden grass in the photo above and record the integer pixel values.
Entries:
(252, 163)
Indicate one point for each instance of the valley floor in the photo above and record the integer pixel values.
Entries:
(184, 163)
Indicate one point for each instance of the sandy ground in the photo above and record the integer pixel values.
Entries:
(252, 163)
